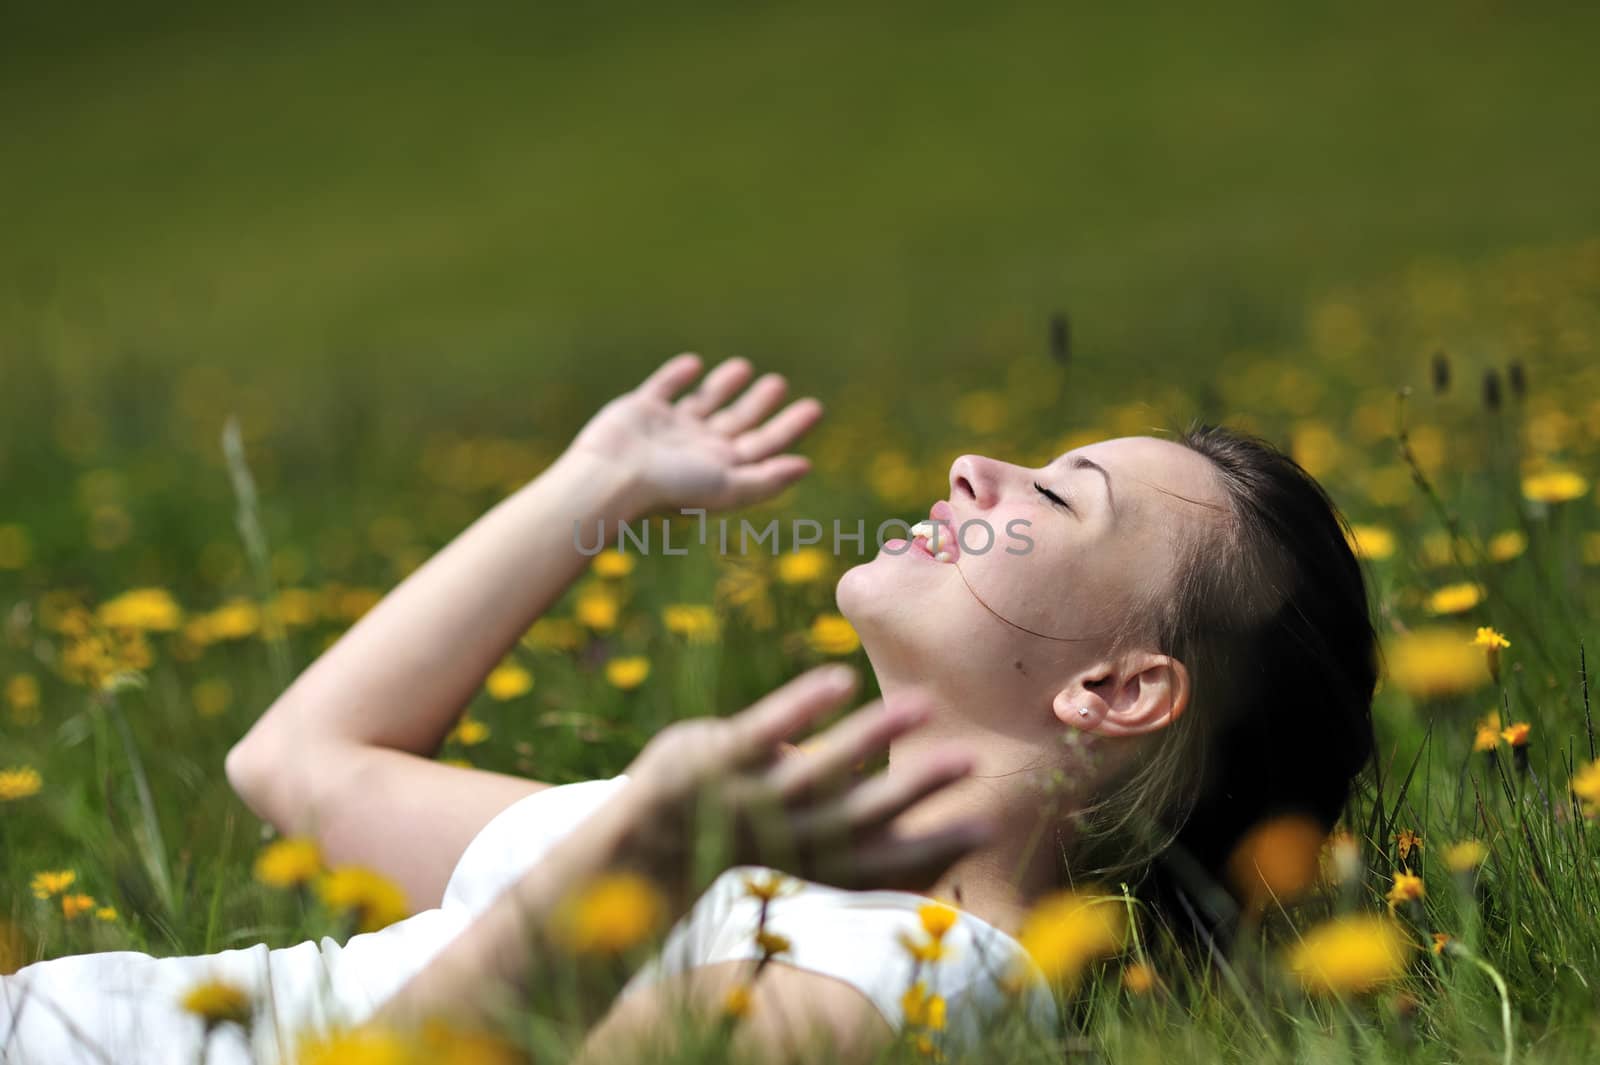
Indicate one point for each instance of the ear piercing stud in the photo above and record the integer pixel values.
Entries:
(1083, 711)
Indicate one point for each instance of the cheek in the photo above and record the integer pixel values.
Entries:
(1047, 589)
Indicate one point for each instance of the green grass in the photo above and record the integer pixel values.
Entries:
(412, 249)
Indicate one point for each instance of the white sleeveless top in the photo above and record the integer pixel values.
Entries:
(125, 1002)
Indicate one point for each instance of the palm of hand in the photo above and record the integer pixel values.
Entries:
(688, 452)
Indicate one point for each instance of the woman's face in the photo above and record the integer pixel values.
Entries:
(1032, 567)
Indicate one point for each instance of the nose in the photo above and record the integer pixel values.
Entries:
(975, 479)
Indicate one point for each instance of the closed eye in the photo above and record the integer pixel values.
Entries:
(1052, 497)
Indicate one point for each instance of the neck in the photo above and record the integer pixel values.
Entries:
(1013, 787)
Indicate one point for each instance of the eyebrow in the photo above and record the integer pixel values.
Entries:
(1081, 463)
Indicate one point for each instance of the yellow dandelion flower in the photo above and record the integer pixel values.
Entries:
(831, 634)
(922, 1009)
(1554, 486)
(1455, 598)
(51, 883)
(1138, 978)
(553, 634)
(924, 1045)
(612, 563)
(1440, 941)
(768, 887)
(469, 732)
(736, 1004)
(440, 1043)
(772, 944)
(1067, 930)
(1406, 841)
(1434, 662)
(507, 681)
(1516, 734)
(1491, 642)
(295, 607)
(1372, 542)
(75, 906)
(106, 913)
(367, 1045)
(22, 692)
(1275, 860)
(217, 1002)
(19, 782)
(694, 621)
(1507, 545)
(1407, 887)
(1465, 856)
(936, 918)
(930, 951)
(597, 608)
(148, 609)
(1586, 786)
(234, 620)
(802, 566)
(627, 672)
(371, 898)
(1487, 738)
(614, 914)
(1350, 955)
(289, 862)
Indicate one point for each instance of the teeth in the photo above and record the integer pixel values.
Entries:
(923, 528)
(943, 556)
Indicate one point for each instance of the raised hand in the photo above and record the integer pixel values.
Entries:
(808, 813)
(706, 448)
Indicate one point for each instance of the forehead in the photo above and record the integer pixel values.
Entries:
(1147, 474)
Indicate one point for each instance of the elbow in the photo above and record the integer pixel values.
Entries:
(253, 773)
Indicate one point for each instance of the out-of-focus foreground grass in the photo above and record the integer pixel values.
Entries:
(410, 250)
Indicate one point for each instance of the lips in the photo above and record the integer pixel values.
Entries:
(941, 530)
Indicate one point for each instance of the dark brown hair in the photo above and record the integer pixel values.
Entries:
(1270, 615)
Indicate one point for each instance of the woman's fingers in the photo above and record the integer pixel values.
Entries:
(758, 401)
(914, 862)
(871, 805)
(719, 386)
(671, 377)
(780, 714)
(778, 432)
(756, 481)
(832, 755)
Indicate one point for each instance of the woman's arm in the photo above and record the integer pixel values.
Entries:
(806, 814)
(344, 752)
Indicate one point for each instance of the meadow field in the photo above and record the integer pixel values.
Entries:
(289, 297)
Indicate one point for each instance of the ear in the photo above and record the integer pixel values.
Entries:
(1147, 693)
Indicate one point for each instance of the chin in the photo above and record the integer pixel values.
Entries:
(888, 608)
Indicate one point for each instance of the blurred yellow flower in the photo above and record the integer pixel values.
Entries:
(372, 898)
(612, 563)
(627, 672)
(1465, 856)
(106, 913)
(367, 1045)
(772, 944)
(768, 887)
(288, 862)
(507, 681)
(217, 1002)
(695, 621)
(295, 607)
(1434, 662)
(1276, 860)
(1516, 733)
(1139, 978)
(22, 696)
(928, 951)
(1407, 887)
(19, 783)
(75, 906)
(1554, 486)
(736, 1003)
(1491, 642)
(936, 918)
(1350, 955)
(148, 609)
(831, 634)
(1440, 941)
(1507, 545)
(1455, 598)
(613, 914)
(802, 566)
(469, 732)
(1586, 786)
(981, 412)
(554, 634)
(211, 697)
(1371, 541)
(15, 547)
(1406, 841)
(921, 1009)
(1067, 930)
(597, 608)
(52, 882)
